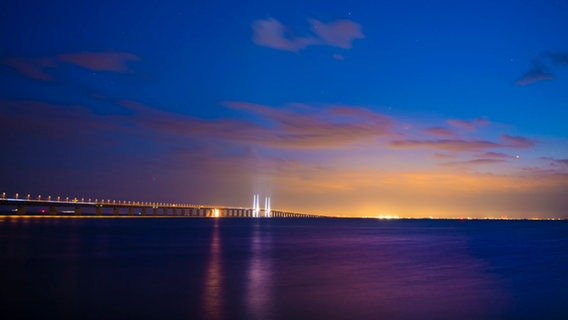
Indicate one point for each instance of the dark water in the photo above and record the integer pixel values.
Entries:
(282, 269)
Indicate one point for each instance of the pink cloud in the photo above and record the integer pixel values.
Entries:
(339, 33)
(100, 61)
(32, 68)
(294, 127)
(338, 56)
(517, 142)
(468, 124)
(445, 144)
(441, 132)
(539, 70)
(496, 155)
(534, 75)
(464, 145)
(474, 162)
(308, 127)
(39, 68)
(273, 34)
(560, 164)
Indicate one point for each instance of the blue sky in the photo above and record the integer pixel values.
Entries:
(414, 108)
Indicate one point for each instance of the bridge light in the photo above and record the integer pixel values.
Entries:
(17, 196)
(216, 213)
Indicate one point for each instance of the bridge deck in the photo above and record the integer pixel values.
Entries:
(48, 207)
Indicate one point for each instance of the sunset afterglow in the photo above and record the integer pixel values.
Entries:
(390, 109)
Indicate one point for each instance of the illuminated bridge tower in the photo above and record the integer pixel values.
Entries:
(255, 205)
(267, 207)
(256, 211)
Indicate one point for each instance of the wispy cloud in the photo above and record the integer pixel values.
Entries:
(464, 145)
(496, 155)
(445, 144)
(540, 67)
(100, 61)
(535, 74)
(440, 132)
(517, 142)
(339, 33)
(558, 163)
(338, 56)
(468, 124)
(272, 33)
(42, 68)
(294, 127)
(474, 162)
(34, 68)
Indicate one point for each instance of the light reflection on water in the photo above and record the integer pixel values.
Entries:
(213, 286)
(283, 269)
(260, 275)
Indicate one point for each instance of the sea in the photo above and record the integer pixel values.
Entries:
(282, 268)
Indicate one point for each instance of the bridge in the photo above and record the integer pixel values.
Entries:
(48, 206)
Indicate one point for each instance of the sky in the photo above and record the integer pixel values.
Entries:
(358, 108)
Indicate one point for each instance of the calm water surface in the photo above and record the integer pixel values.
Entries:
(283, 269)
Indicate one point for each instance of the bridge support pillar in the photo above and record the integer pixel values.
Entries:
(144, 211)
(98, 211)
(52, 210)
(115, 211)
(165, 211)
(174, 212)
(78, 211)
(130, 211)
(21, 209)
